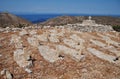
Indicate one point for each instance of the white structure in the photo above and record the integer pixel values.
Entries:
(89, 22)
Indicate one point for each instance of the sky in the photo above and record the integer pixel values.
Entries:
(107, 7)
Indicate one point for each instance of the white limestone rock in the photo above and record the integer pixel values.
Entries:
(98, 43)
(77, 38)
(48, 53)
(33, 41)
(28, 70)
(76, 55)
(33, 32)
(16, 40)
(20, 56)
(72, 43)
(53, 38)
(23, 32)
(101, 55)
(7, 74)
(42, 37)
(3, 72)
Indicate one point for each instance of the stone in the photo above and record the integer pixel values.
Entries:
(76, 38)
(33, 41)
(101, 55)
(76, 55)
(98, 43)
(3, 72)
(7, 74)
(72, 43)
(20, 56)
(53, 38)
(42, 37)
(0, 55)
(48, 53)
(84, 70)
(33, 32)
(23, 32)
(17, 41)
(28, 70)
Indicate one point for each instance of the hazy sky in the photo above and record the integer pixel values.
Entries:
(61, 6)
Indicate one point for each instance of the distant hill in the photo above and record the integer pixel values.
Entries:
(62, 20)
(10, 20)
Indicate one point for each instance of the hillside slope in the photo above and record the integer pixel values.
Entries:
(59, 54)
(7, 19)
(63, 20)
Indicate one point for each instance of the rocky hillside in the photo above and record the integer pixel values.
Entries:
(63, 20)
(59, 54)
(10, 20)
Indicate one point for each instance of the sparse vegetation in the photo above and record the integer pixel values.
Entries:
(116, 28)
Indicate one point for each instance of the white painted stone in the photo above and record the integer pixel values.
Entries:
(17, 41)
(28, 70)
(33, 32)
(101, 55)
(42, 37)
(71, 43)
(8, 75)
(3, 72)
(53, 38)
(23, 32)
(108, 40)
(21, 58)
(68, 51)
(113, 50)
(33, 41)
(48, 53)
(76, 38)
(98, 43)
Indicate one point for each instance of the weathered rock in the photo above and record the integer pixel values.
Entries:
(21, 58)
(28, 70)
(16, 40)
(48, 53)
(72, 43)
(33, 32)
(23, 32)
(53, 38)
(101, 55)
(76, 55)
(42, 37)
(3, 72)
(33, 41)
(98, 43)
(7, 74)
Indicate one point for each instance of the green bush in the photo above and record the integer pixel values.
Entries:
(116, 28)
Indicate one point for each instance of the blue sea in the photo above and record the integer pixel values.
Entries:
(37, 18)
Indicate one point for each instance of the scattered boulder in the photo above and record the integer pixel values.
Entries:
(53, 38)
(33, 41)
(48, 53)
(7, 74)
(23, 32)
(22, 58)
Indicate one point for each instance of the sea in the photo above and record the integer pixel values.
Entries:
(37, 18)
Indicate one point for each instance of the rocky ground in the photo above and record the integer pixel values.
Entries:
(59, 54)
